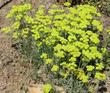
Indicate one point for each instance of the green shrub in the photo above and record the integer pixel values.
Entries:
(66, 39)
(102, 5)
(105, 8)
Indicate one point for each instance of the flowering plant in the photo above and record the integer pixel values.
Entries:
(65, 38)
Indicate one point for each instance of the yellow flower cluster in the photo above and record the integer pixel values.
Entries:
(66, 39)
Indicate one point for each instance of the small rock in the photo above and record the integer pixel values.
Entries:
(35, 89)
(60, 89)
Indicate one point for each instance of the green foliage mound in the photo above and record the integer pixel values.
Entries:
(66, 39)
(102, 5)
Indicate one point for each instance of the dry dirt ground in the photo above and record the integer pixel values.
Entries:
(15, 77)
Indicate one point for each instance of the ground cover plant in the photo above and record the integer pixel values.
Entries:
(65, 40)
